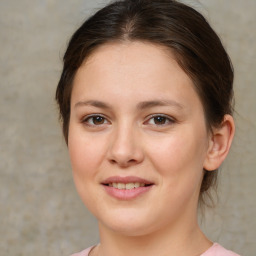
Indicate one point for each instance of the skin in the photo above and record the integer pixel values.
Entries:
(126, 140)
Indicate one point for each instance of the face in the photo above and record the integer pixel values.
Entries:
(137, 139)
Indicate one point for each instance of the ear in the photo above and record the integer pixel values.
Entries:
(219, 143)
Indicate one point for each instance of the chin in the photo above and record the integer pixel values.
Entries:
(129, 229)
(133, 224)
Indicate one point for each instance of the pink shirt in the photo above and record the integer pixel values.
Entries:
(218, 250)
(214, 250)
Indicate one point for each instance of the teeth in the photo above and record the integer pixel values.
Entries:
(137, 184)
(120, 185)
(127, 185)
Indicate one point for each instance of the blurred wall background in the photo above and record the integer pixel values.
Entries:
(40, 212)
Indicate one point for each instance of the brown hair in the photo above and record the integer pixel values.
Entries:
(178, 27)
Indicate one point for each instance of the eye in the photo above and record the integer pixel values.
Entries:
(95, 120)
(160, 120)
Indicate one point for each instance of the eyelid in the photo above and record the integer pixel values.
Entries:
(170, 119)
(85, 119)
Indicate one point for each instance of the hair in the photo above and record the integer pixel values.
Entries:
(169, 23)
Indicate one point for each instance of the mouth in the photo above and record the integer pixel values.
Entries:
(130, 185)
(126, 188)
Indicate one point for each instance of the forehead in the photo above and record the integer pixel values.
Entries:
(121, 53)
(135, 57)
(133, 69)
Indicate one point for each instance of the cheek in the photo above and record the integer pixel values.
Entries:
(86, 157)
(179, 155)
(179, 161)
(85, 153)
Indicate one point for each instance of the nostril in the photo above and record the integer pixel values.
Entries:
(123, 163)
(131, 161)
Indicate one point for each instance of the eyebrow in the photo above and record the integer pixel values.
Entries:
(94, 103)
(156, 103)
(142, 105)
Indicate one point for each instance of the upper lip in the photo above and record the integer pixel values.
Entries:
(127, 179)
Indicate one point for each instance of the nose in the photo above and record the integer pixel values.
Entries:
(125, 148)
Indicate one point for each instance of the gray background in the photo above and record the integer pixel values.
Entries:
(40, 212)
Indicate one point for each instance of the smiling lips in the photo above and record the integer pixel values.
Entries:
(130, 185)
(126, 188)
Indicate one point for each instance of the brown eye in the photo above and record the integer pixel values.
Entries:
(98, 120)
(160, 120)
(95, 120)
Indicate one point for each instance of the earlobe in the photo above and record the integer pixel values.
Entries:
(219, 143)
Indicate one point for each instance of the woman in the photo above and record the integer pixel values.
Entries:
(145, 99)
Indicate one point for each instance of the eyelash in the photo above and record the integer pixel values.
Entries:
(89, 120)
(166, 118)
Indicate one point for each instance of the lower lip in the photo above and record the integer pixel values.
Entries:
(126, 194)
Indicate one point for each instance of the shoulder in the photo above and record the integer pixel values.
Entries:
(84, 252)
(218, 250)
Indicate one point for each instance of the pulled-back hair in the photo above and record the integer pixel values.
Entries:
(176, 26)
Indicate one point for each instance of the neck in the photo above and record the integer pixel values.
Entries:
(167, 241)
